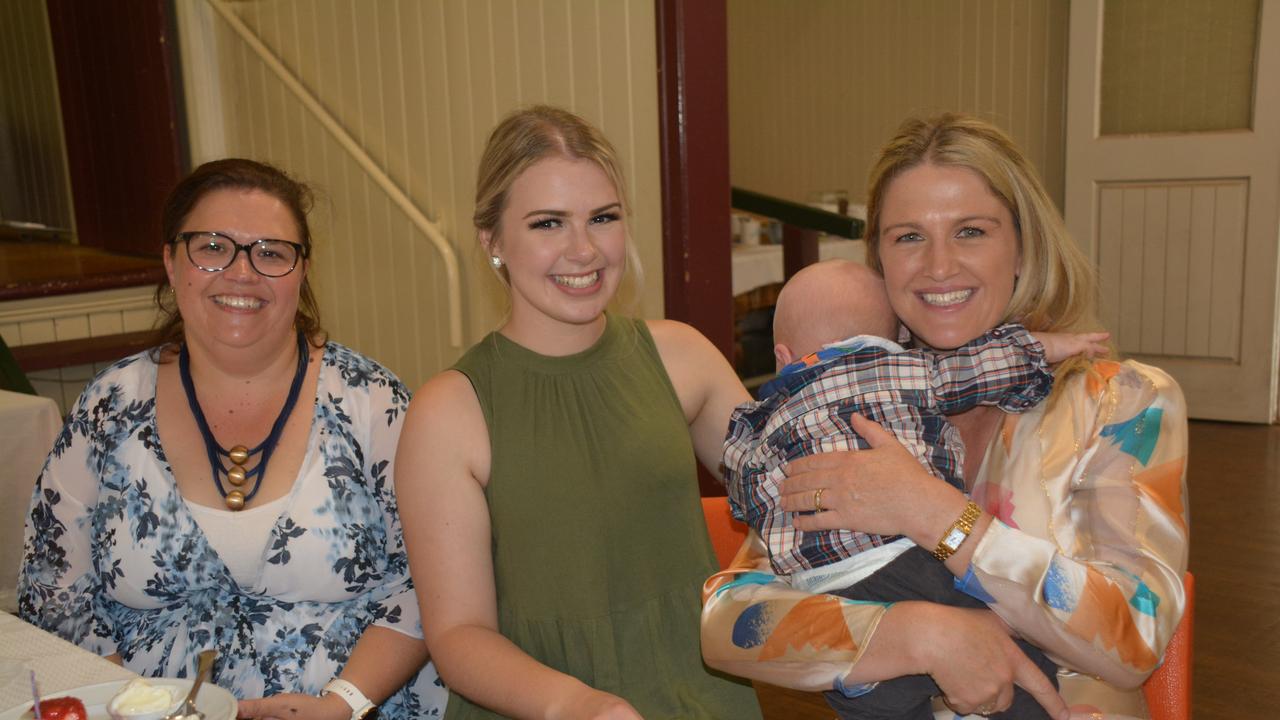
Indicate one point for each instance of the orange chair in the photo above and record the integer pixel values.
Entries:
(1168, 690)
(726, 533)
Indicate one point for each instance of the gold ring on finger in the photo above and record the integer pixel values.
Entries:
(817, 499)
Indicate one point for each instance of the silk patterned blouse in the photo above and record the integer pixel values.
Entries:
(1086, 558)
(115, 562)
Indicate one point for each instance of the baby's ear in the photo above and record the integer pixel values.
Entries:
(782, 356)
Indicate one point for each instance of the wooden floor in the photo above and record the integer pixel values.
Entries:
(1234, 480)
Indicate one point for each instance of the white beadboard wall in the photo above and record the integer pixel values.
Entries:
(817, 86)
(73, 317)
(419, 84)
(33, 171)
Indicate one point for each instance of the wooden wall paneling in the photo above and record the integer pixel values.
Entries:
(530, 69)
(1131, 258)
(1154, 261)
(1199, 287)
(644, 150)
(1177, 270)
(504, 45)
(856, 84)
(1230, 208)
(557, 23)
(1107, 257)
(584, 31)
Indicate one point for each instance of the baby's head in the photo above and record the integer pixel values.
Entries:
(828, 302)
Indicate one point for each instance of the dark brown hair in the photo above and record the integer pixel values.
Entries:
(237, 174)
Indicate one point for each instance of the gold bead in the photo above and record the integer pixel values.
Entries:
(235, 475)
(239, 454)
(235, 500)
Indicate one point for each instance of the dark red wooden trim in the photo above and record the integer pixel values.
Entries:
(115, 64)
(799, 248)
(69, 353)
(81, 283)
(694, 129)
(693, 92)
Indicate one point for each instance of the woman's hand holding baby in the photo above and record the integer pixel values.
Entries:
(883, 490)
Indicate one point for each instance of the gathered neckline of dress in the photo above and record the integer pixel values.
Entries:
(603, 349)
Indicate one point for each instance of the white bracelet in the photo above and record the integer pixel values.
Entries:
(361, 707)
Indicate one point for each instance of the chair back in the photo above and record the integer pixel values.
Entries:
(1168, 690)
(726, 533)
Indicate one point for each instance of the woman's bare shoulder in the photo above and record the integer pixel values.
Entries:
(445, 415)
(679, 340)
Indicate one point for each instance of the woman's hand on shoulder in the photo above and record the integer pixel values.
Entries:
(705, 383)
(290, 706)
(592, 704)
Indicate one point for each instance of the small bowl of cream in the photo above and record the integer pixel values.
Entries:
(141, 700)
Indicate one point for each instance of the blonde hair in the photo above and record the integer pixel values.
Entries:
(1056, 289)
(523, 138)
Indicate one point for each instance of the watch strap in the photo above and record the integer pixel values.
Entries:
(361, 706)
(959, 531)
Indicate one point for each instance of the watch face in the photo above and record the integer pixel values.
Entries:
(370, 714)
(954, 538)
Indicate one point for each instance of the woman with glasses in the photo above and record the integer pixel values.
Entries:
(232, 488)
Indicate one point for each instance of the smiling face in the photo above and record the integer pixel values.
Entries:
(562, 239)
(950, 254)
(236, 307)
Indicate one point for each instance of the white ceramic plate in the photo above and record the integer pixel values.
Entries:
(213, 701)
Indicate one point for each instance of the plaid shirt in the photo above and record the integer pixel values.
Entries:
(909, 392)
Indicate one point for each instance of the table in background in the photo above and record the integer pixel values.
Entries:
(759, 265)
(28, 426)
(59, 665)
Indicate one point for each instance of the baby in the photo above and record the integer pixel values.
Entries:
(832, 326)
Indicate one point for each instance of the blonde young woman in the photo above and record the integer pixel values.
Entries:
(1075, 528)
(550, 473)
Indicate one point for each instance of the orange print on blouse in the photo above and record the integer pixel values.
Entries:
(1103, 371)
(817, 621)
(1163, 484)
(1103, 614)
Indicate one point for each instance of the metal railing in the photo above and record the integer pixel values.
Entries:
(376, 173)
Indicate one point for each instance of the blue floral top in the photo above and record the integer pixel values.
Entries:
(115, 562)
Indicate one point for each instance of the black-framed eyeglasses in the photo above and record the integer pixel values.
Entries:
(214, 252)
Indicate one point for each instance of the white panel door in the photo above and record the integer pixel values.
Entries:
(1184, 228)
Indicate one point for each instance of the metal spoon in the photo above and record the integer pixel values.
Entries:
(188, 707)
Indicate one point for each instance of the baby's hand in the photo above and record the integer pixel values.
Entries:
(1060, 346)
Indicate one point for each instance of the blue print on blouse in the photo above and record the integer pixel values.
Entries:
(1144, 600)
(751, 629)
(1138, 435)
(150, 587)
(1058, 592)
(970, 585)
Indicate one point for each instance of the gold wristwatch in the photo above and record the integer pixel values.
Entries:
(959, 530)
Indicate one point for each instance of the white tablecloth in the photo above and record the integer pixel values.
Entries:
(28, 427)
(757, 265)
(59, 665)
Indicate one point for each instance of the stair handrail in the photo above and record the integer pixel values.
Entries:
(348, 143)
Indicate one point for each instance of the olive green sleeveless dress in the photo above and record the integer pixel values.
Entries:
(599, 544)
